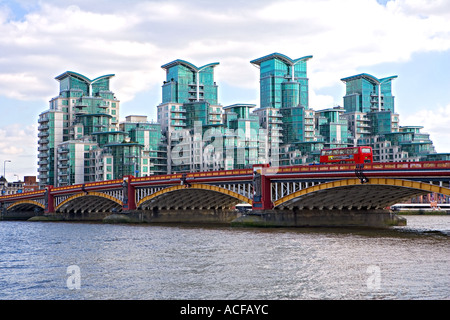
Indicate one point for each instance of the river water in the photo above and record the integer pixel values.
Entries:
(58, 260)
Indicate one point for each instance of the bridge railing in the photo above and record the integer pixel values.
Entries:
(24, 195)
(367, 166)
(244, 174)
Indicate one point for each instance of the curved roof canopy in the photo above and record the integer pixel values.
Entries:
(82, 77)
(370, 78)
(279, 56)
(188, 65)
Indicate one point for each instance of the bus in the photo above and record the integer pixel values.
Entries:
(360, 154)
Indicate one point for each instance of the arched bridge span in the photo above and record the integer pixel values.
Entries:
(26, 205)
(89, 202)
(195, 196)
(377, 193)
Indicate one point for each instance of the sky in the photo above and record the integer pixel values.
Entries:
(41, 39)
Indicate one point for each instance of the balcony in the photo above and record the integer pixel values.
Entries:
(43, 134)
(275, 114)
(178, 110)
(43, 127)
(275, 121)
(43, 148)
(177, 117)
(43, 119)
(178, 124)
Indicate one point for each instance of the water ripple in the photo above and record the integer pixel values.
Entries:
(188, 262)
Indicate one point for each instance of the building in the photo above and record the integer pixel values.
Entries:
(365, 93)
(201, 134)
(189, 97)
(284, 90)
(81, 139)
(28, 184)
(148, 134)
(83, 107)
(242, 149)
(370, 111)
(284, 111)
(332, 127)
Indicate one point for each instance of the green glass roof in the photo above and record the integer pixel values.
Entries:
(281, 57)
(82, 77)
(369, 77)
(188, 65)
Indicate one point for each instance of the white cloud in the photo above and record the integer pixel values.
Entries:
(133, 41)
(18, 143)
(436, 123)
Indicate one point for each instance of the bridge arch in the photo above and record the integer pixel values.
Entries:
(352, 194)
(26, 205)
(197, 196)
(89, 201)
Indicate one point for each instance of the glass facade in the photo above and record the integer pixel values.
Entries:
(366, 93)
(81, 139)
(283, 81)
(187, 83)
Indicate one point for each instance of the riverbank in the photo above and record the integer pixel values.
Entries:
(234, 218)
(423, 213)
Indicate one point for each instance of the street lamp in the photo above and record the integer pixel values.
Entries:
(4, 168)
(4, 172)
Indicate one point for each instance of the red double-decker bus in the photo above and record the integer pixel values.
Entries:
(360, 154)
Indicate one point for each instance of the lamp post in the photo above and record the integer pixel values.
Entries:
(4, 173)
(4, 168)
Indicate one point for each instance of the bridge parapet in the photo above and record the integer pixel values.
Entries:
(263, 186)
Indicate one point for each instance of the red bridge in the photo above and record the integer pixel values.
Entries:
(268, 189)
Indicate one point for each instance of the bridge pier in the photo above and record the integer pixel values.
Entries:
(49, 200)
(129, 199)
(320, 218)
(262, 195)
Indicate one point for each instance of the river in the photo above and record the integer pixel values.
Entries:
(84, 261)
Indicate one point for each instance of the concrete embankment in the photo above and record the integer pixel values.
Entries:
(320, 218)
(267, 218)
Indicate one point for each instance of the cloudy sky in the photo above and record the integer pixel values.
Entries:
(39, 40)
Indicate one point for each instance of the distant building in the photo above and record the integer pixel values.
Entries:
(81, 139)
(370, 111)
(28, 185)
(365, 93)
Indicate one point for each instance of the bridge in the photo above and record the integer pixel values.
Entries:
(273, 192)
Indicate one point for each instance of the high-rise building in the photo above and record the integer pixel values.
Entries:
(82, 108)
(81, 140)
(333, 128)
(283, 81)
(365, 93)
(284, 91)
(370, 110)
(189, 97)
(198, 132)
